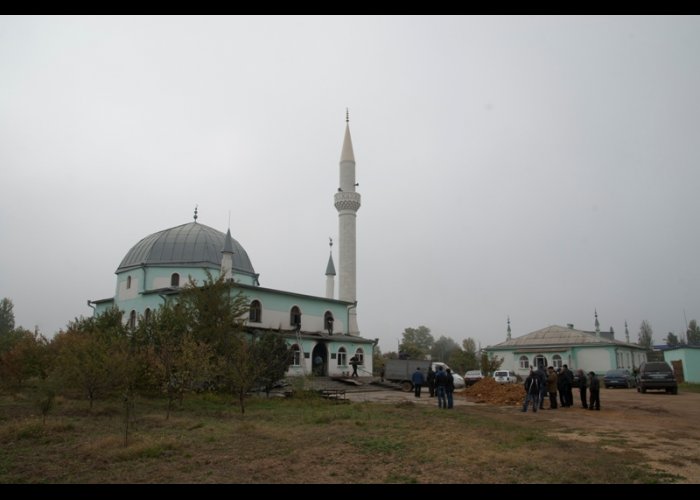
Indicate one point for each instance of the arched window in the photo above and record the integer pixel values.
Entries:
(295, 317)
(360, 355)
(556, 361)
(342, 357)
(132, 319)
(128, 282)
(147, 314)
(524, 362)
(328, 322)
(540, 360)
(255, 312)
(175, 279)
(296, 355)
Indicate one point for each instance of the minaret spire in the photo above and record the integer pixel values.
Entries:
(508, 335)
(330, 272)
(597, 325)
(347, 201)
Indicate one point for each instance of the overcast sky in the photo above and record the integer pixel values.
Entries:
(532, 167)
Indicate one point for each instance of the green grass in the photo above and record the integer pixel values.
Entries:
(688, 387)
(303, 439)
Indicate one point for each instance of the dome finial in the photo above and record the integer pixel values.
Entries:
(195, 213)
(347, 115)
(330, 242)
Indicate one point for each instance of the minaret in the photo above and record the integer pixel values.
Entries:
(330, 273)
(227, 257)
(597, 325)
(627, 333)
(508, 335)
(347, 202)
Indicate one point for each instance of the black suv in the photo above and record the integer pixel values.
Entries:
(656, 375)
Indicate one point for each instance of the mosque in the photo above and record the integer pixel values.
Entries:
(322, 332)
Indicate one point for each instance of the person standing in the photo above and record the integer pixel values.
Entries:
(532, 391)
(440, 387)
(594, 385)
(418, 381)
(552, 388)
(567, 379)
(450, 388)
(582, 385)
(353, 363)
(431, 381)
(560, 389)
(543, 384)
(318, 365)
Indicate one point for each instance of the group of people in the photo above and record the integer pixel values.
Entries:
(539, 383)
(441, 383)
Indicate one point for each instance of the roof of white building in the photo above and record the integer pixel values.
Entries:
(558, 336)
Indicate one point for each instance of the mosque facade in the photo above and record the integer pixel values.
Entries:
(322, 332)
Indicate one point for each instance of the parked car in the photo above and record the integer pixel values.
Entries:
(458, 380)
(656, 375)
(505, 377)
(473, 376)
(619, 378)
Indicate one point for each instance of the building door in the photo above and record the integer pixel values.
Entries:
(678, 370)
(319, 359)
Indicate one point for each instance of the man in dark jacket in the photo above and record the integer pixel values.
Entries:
(450, 388)
(532, 391)
(594, 385)
(552, 388)
(567, 379)
(582, 385)
(543, 384)
(431, 381)
(441, 387)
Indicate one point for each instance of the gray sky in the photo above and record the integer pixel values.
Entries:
(537, 167)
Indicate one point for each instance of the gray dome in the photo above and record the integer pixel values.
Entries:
(191, 245)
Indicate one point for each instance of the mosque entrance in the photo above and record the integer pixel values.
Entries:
(319, 356)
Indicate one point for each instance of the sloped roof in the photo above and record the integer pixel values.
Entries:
(558, 336)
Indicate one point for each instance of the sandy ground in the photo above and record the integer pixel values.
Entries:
(663, 429)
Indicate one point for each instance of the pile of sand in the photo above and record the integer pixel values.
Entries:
(487, 390)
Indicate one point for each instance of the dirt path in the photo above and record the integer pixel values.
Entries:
(662, 429)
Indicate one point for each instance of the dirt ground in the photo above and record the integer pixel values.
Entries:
(663, 429)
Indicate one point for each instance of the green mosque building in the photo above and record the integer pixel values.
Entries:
(322, 332)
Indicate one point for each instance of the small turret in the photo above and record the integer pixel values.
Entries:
(227, 257)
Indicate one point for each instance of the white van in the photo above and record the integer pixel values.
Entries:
(458, 380)
(505, 376)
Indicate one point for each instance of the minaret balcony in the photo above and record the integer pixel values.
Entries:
(345, 200)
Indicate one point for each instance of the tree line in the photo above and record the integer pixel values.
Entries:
(419, 343)
(197, 342)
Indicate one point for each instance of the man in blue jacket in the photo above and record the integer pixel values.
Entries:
(418, 381)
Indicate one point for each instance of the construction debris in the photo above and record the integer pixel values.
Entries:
(487, 390)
